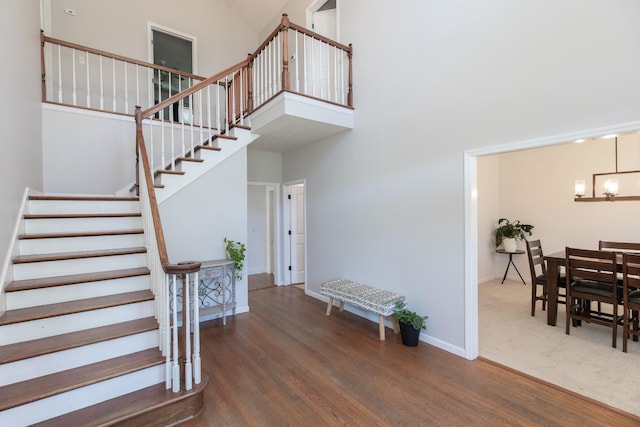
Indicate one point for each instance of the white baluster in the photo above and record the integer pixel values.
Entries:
(305, 74)
(217, 105)
(59, 75)
(313, 67)
(295, 56)
(209, 110)
(101, 86)
(126, 88)
(88, 81)
(241, 96)
(137, 84)
(73, 76)
(113, 69)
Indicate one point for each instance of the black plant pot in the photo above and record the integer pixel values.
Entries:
(410, 335)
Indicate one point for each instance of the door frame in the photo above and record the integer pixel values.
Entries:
(151, 26)
(286, 223)
(273, 220)
(315, 5)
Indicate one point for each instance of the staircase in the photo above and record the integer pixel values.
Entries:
(79, 338)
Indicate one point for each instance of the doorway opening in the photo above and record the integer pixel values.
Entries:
(171, 49)
(263, 237)
(294, 239)
(322, 18)
(471, 252)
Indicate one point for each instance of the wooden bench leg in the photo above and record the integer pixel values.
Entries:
(396, 326)
(381, 322)
(329, 305)
(341, 303)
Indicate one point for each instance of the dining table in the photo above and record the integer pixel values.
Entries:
(554, 261)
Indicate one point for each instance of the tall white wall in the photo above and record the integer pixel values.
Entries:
(432, 79)
(20, 132)
(120, 26)
(198, 218)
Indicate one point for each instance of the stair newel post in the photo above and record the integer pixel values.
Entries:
(183, 271)
(285, 52)
(186, 330)
(197, 370)
(350, 93)
(175, 370)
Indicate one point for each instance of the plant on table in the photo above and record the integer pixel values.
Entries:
(511, 230)
(236, 251)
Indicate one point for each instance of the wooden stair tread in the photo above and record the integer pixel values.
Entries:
(223, 136)
(170, 172)
(76, 255)
(49, 385)
(80, 234)
(207, 147)
(24, 350)
(82, 198)
(71, 279)
(83, 215)
(75, 306)
(144, 405)
(190, 159)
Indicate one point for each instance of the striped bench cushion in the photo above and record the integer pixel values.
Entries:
(362, 296)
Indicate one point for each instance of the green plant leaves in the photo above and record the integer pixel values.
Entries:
(236, 251)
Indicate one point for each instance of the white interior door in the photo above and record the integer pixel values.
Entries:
(324, 22)
(296, 233)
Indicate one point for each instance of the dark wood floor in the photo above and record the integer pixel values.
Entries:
(287, 364)
(260, 281)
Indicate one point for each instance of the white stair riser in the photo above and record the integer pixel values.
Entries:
(79, 398)
(32, 270)
(77, 244)
(75, 225)
(55, 294)
(81, 206)
(35, 329)
(72, 358)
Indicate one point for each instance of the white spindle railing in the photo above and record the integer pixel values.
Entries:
(96, 75)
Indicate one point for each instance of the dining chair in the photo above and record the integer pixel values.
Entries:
(592, 276)
(631, 297)
(538, 270)
(632, 247)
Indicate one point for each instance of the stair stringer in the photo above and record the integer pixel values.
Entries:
(172, 184)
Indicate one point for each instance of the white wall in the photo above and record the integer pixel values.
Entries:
(385, 202)
(264, 166)
(257, 229)
(21, 127)
(120, 26)
(101, 148)
(197, 219)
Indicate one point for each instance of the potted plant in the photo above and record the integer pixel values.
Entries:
(508, 233)
(235, 252)
(410, 324)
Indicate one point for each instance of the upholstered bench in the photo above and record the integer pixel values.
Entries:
(365, 297)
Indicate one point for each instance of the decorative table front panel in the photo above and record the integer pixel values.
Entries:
(216, 290)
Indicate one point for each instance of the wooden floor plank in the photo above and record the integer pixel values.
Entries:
(285, 363)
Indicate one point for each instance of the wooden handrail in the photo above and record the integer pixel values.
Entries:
(148, 177)
(126, 59)
(193, 89)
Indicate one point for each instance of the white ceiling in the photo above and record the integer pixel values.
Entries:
(257, 12)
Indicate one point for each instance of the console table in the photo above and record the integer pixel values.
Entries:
(216, 290)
